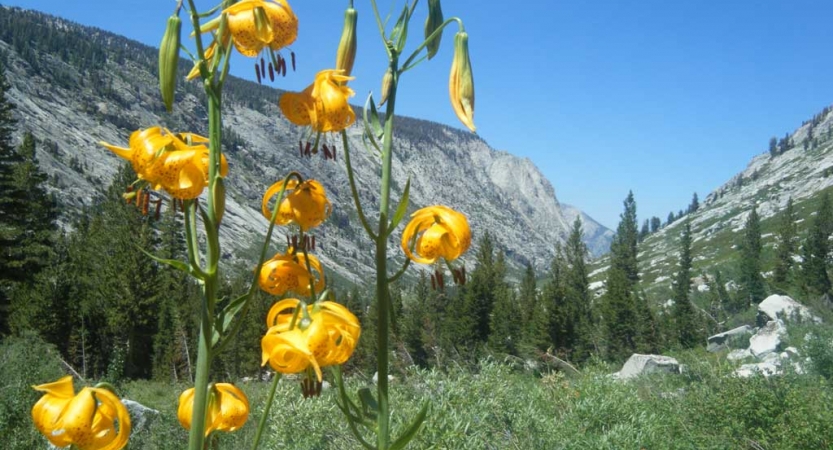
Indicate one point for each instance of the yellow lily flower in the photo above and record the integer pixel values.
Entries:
(228, 408)
(288, 272)
(305, 204)
(445, 233)
(324, 335)
(322, 105)
(177, 163)
(86, 420)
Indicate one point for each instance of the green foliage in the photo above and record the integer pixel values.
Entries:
(815, 250)
(685, 319)
(818, 346)
(752, 288)
(787, 234)
(24, 361)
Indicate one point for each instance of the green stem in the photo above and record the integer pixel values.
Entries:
(433, 35)
(353, 190)
(382, 292)
(262, 423)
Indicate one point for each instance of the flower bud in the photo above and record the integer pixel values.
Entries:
(169, 59)
(461, 81)
(347, 46)
(387, 81)
(432, 23)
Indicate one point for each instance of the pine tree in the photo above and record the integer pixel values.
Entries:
(655, 224)
(648, 334)
(787, 233)
(506, 331)
(645, 230)
(684, 315)
(671, 218)
(553, 298)
(816, 249)
(694, 205)
(752, 289)
(773, 147)
(479, 293)
(416, 329)
(620, 316)
(577, 294)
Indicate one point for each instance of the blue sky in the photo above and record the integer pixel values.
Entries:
(666, 98)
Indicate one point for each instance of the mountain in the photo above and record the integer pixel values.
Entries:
(800, 168)
(75, 86)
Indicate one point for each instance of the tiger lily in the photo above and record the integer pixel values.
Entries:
(324, 334)
(177, 163)
(305, 204)
(288, 272)
(322, 105)
(86, 420)
(440, 232)
(228, 408)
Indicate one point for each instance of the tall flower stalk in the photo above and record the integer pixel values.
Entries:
(306, 334)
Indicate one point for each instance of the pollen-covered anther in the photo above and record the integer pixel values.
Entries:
(257, 72)
(271, 72)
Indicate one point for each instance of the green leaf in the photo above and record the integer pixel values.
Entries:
(402, 208)
(176, 264)
(412, 430)
(370, 408)
(400, 30)
(368, 134)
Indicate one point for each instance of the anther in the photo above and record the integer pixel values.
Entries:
(326, 152)
(271, 73)
(262, 67)
(288, 244)
(292, 54)
(282, 65)
(301, 148)
(313, 242)
(433, 283)
(257, 72)
(307, 149)
(158, 209)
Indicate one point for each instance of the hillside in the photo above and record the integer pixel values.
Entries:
(801, 171)
(75, 86)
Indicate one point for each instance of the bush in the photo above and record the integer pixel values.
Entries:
(24, 361)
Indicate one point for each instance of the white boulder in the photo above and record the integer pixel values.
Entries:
(643, 364)
(783, 307)
(767, 339)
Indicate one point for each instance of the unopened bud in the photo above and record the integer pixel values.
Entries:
(169, 59)
(346, 55)
(432, 23)
(387, 83)
(461, 81)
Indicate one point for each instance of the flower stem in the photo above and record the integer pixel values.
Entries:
(382, 292)
(262, 423)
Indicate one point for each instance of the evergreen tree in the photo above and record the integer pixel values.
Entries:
(816, 249)
(553, 298)
(787, 233)
(655, 224)
(506, 330)
(416, 328)
(684, 315)
(671, 218)
(528, 299)
(773, 147)
(620, 316)
(694, 205)
(479, 293)
(577, 294)
(645, 230)
(647, 334)
(752, 289)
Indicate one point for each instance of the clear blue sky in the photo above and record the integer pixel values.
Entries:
(666, 98)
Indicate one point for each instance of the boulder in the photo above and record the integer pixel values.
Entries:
(643, 364)
(733, 339)
(739, 354)
(764, 368)
(783, 307)
(767, 339)
(140, 415)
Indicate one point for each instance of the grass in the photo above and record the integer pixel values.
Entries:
(495, 406)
